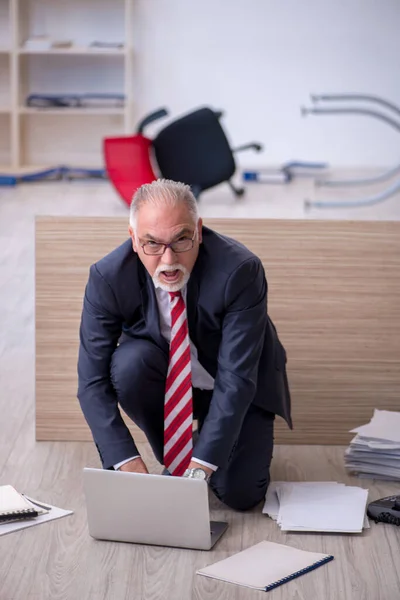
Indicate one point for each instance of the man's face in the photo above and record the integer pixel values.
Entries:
(163, 224)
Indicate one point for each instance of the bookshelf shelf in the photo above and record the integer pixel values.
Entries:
(30, 141)
(28, 110)
(22, 170)
(75, 51)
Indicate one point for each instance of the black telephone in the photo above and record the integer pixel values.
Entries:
(385, 510)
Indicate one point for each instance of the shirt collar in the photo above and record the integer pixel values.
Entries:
(162, 293)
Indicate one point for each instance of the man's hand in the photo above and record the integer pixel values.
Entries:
(194, 465)
(134, 466)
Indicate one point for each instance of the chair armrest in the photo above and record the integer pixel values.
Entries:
(252, 146)
(154, 116)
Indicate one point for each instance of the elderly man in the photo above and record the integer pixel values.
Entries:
(175, 327)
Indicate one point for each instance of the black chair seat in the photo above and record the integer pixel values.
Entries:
(194, 150)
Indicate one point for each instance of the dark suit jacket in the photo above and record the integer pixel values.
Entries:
(228, 322)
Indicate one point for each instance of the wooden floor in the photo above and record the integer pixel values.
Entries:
(59, 560)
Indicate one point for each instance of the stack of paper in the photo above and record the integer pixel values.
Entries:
(317, 506)
(375, 451)
(44, 42)
(38, 42)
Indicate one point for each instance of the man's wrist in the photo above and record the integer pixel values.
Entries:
(202, 463)
(198, 472)
(123, 462)
(197, 465)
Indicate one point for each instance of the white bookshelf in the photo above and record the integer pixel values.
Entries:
(5, 83)
(33, 137)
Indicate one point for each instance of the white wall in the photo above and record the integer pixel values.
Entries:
(260, 59)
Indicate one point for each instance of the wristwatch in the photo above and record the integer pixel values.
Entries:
(197, 473)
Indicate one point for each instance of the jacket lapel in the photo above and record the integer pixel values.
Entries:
(151, 314)
(191, 305)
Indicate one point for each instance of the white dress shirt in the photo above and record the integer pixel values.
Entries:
(201, 379)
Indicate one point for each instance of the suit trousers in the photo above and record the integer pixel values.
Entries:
(138, 374)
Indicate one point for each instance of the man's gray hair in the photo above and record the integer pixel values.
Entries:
(163, 192)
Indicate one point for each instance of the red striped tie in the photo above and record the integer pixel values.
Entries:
(178, 406)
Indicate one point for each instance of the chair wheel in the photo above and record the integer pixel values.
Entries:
(237, 191)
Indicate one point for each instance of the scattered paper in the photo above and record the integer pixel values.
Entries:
(325, 506)
(375, 451)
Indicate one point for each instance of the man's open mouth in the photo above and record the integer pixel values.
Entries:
(171, 275)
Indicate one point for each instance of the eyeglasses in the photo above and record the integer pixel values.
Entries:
(184, 244)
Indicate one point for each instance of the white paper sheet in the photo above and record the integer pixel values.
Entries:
(271, 505)
(333, 508)
(53, 513)
(384, 425)
(325, 506)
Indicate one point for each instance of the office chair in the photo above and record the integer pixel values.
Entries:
(388, 192)
(128, 159)
(195, 150)
(192, 149)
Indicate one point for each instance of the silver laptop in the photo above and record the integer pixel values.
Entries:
(149, 509)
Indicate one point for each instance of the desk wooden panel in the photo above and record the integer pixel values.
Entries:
(334, 294)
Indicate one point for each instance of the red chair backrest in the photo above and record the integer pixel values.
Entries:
(127, 161)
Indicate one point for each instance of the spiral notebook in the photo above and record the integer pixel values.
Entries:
(13, 506)
(265, 566)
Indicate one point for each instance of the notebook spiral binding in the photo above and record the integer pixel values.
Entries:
(18, 514)
(317, 564)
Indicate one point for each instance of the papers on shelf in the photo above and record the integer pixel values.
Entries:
(375, 451)
(107, 45)
(325, 506)
(75, 101)
(42, 43)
